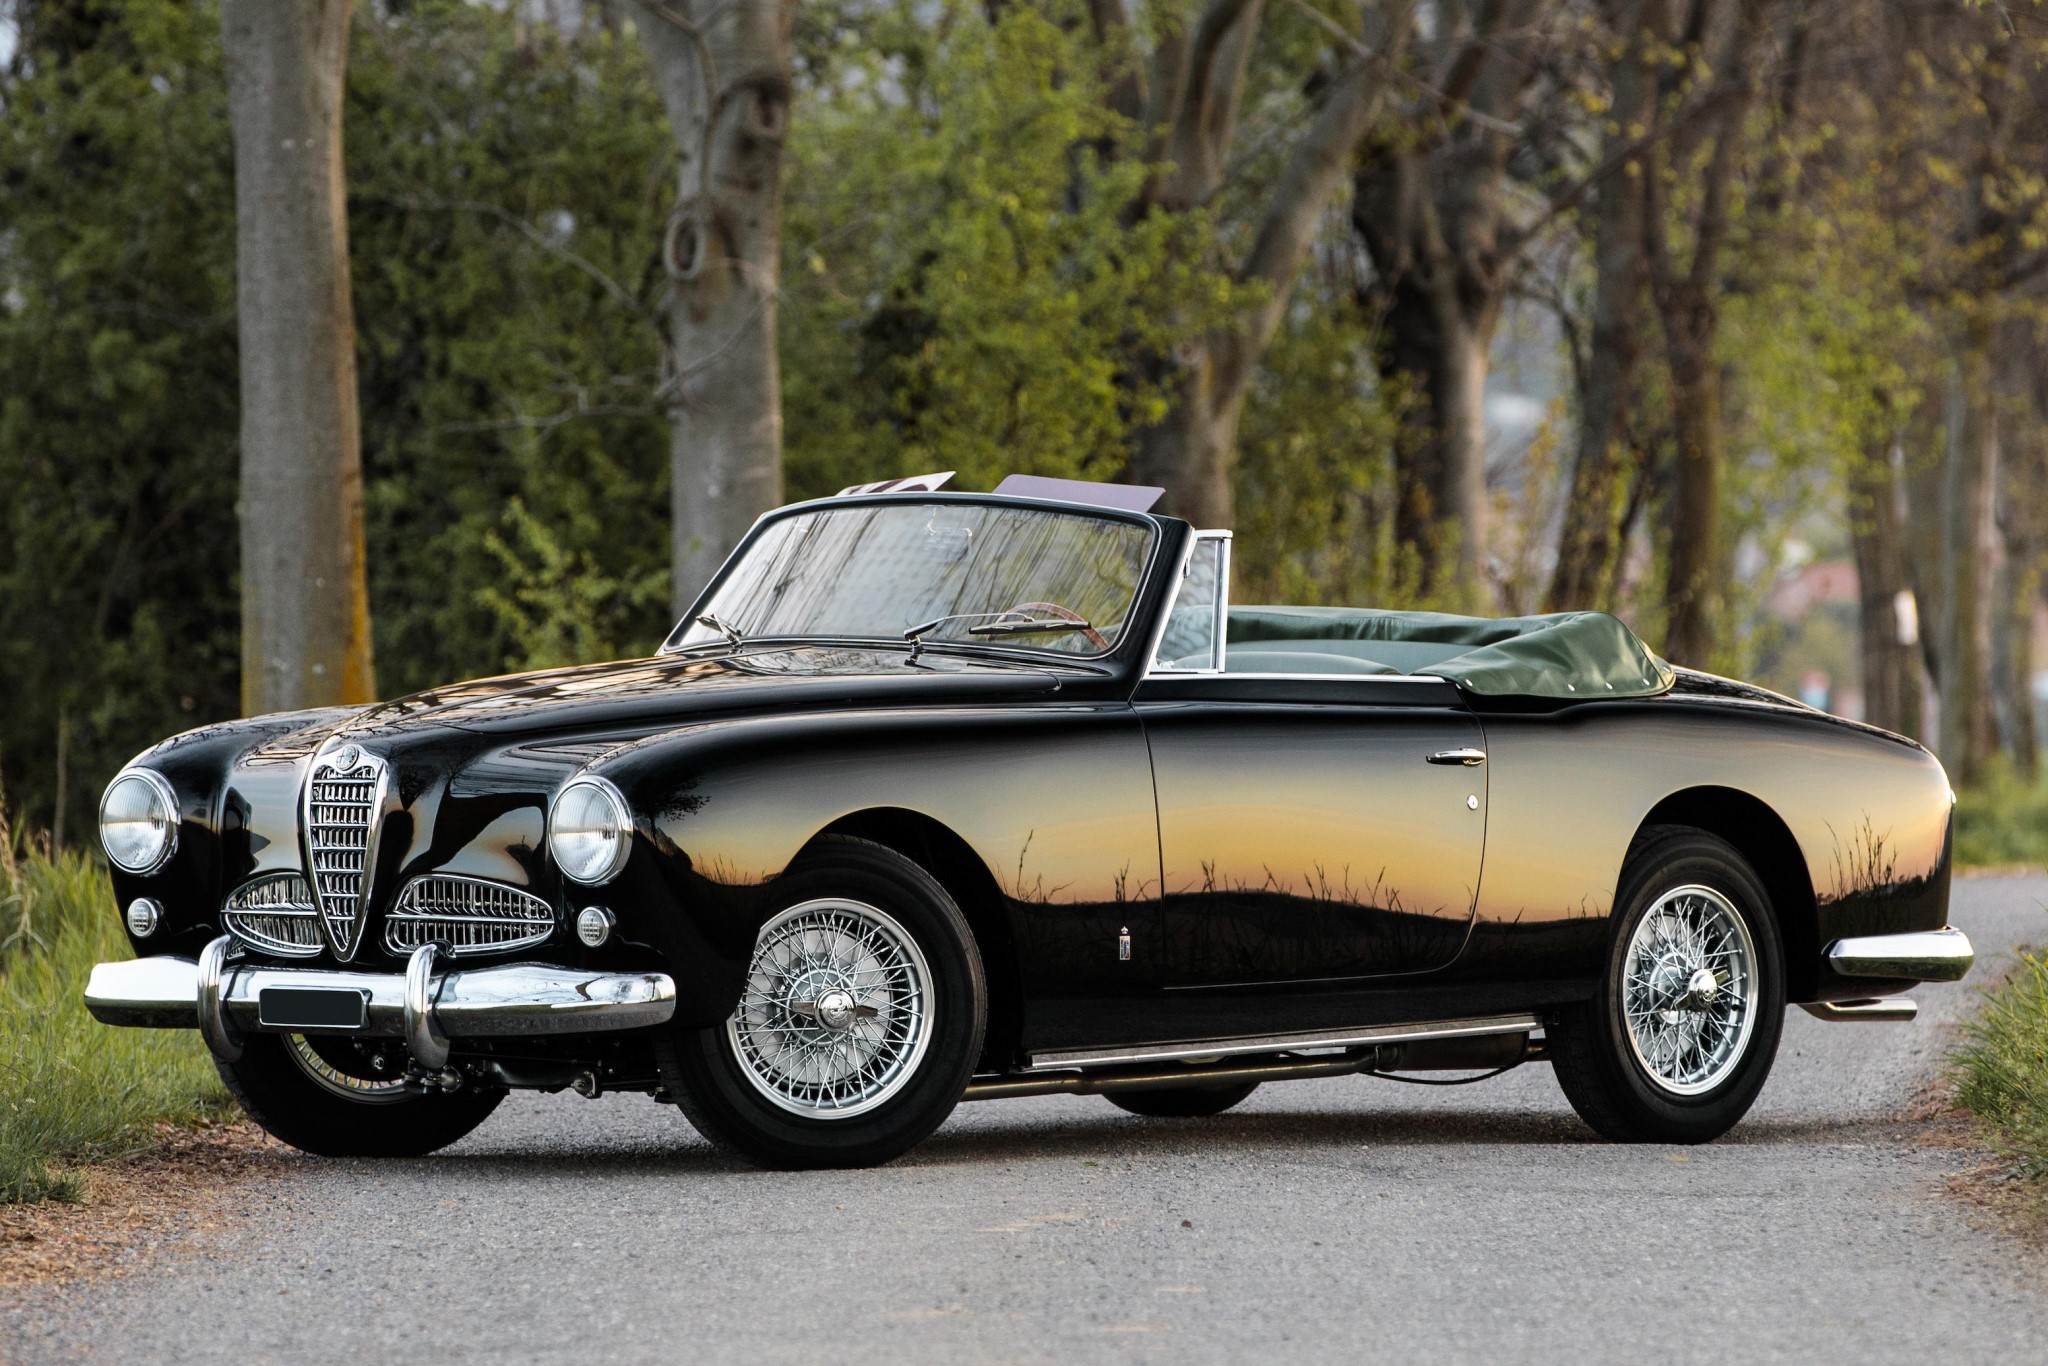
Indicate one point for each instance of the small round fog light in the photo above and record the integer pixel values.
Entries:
(144, 915)
(594, 925)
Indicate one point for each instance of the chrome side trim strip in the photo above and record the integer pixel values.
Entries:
(1941, 955)
(496, 1002)
(1199, 1049)
(1883, 1008)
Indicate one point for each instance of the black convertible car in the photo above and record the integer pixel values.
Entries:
(939, 796)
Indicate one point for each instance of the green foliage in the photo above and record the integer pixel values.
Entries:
(2000, 1070)
(72, 1089)
(1315, 467)
(507, 190)
(2003, 820)
(117, 392)
(961, 287)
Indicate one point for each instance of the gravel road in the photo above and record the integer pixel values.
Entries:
(1337, 1220)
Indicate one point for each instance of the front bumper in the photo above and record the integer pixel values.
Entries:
(224, 1000)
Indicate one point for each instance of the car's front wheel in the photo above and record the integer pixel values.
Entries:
(858, 1026)
(322, 1095)
(1684, 1026)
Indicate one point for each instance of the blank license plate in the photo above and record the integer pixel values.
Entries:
(312, 1007)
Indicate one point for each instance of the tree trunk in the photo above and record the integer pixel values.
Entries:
(1692, 592)
(305, 593)
(1588, 542)
(1969, 533)
(1889, 640)
(724, 75)
(2023, 528)
(1438, 344)
(1686, 303)
(1192, 451)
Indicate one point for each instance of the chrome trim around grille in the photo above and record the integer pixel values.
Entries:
(466, 916)
(338, 824)
(275, 913)
(507, 1000)
(1286, 1043)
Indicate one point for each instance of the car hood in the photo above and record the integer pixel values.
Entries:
(471, 766)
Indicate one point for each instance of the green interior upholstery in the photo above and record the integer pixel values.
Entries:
(1562, 655)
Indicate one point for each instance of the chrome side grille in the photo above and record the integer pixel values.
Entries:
(466, 916)
(275, 913)
(342, 796)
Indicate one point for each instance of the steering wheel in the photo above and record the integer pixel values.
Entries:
(1093, 636)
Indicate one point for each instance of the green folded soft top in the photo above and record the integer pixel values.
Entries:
(1561, 655)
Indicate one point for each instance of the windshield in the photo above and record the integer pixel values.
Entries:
(1021, 578)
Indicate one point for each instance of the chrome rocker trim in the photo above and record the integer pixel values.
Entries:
(507, 1000)
(1203, 1050)
(1941, 955)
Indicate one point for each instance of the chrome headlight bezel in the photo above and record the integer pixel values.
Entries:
(161, 799)
(570, 817)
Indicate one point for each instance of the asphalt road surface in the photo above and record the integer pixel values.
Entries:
(1339, 1220)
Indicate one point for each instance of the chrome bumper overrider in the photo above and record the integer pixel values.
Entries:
(1923, 956)
(496, 1002)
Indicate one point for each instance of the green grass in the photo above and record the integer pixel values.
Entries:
(2000, 1069)
(71, 1089)
(2003, 820)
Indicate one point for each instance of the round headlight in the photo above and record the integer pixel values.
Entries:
(139, 821)
(588, 830)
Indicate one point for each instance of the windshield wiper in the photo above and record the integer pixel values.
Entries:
(1028, 628)
(716, 623)
(1006, 623)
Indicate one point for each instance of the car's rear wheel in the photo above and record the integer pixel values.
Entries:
(859, 1023)
(1182, 1102)
(322, 1095)
(1682, 1031)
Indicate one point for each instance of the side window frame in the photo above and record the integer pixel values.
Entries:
(1219, 631)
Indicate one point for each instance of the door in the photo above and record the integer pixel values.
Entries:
(1313, 829)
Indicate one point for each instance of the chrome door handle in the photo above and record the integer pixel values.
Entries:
(1467, 757)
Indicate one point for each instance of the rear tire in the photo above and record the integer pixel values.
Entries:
(859, 1025)
(1682, 1030)
(296, 1089)
(1182, 1102)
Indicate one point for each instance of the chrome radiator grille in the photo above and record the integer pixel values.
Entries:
(340, 814)
(275, 914)
(466, 916)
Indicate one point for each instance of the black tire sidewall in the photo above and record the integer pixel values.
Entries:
(1668, 861)
(275, 1091)
(716, 1095)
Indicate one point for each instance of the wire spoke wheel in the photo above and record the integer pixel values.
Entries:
(1689, 990)
(837, 1010)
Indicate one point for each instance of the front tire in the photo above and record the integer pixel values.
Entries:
(1683, 1028)
(859, 1024)
(312, 1094)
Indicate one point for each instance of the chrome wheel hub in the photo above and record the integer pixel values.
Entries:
(836, 1012)
(1689, 990)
